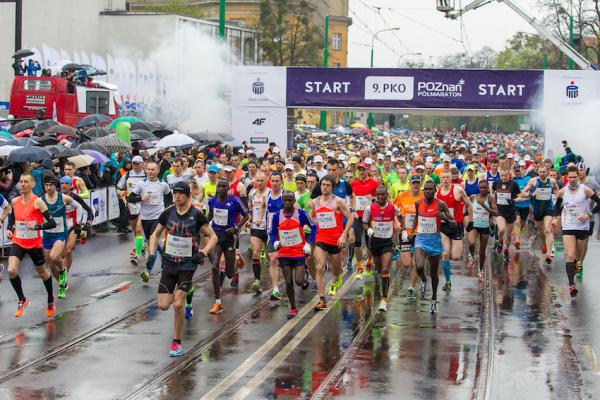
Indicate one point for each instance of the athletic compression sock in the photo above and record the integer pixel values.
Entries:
(139, 243)
(385, 284)
(350, 253)
(570, 267)
(16, 284)
(190, 295)
(48, 286)
(446, 267)
(256, 268)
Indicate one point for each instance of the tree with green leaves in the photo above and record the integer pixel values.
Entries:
(286, 34)
(179, 7)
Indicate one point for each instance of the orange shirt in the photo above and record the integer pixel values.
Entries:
(405, 201)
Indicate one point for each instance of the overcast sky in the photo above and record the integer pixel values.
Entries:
(425, 30)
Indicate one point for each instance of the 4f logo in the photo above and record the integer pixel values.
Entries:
(259, 121)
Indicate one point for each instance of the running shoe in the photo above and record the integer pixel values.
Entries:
(572, 290)
(332, 289)
(434, 307)
(256, 286)
(499, 247)
(517, 244)
(62, 292)
(506, 252)
(338, 281)
(176, 350)
(314, 287)
(349, 265)
(544, 249)
(447, 286)
(579, 273)
(321, 305)
(132, 252)
(63, 278)
(21, 305)
(189, 311)
(50, 310)
(275, 295)
(369, 270)
(263, 255)
(145, 276)
(411, 293)
(216, 308)
(548, 260)
(422, 290)
(470, 262)
(480, 277)
(553, 252)
(359, 274)
(235, 281)
(293, 312)
(383, 306)
(396, 253)
(134, 259)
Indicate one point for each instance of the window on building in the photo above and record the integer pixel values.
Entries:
(37, 84)
(96, 102)
(336, 41)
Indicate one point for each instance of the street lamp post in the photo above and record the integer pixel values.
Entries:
(406, 55)
(370, 119)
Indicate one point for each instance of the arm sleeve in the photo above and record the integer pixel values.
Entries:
(84, 205)
(558, 207)
(49, 221)
(597, 200)
(274, 231)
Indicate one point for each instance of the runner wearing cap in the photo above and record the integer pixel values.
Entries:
(364, 193)
(180, 174)
(224, 210)
(236, 187)
(208, 190)
(79, 187)
(484, 207)
(406, 201)
(289, 183)
(24, 225)
(124, 187)
(258, 228)
(573, 205)
(318, 167)
(185, 227)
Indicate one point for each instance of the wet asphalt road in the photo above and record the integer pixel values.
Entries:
(111, 344)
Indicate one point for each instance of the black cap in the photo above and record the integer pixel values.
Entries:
(182, 187)
(297, 159)
(415, 178)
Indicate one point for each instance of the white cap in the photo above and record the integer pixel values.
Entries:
(510, 155)
(289, 166)
(249, 151)
(461, 157)
(388, 153)
(380, 156)
(241, 151)
(368, 161)
(330, 154)
(342, 157)
(420, 166)
(474, 150)
(522, 163)
(276, 149)
(318, 159)
(228, 168)
(393, 159)
(446, 158)
(137, 160)
(429, 159)
(527, 157)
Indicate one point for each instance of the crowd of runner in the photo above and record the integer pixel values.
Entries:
(357, 203)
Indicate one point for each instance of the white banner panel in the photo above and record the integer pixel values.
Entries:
(570, 112)
(113, 203)
(259, 126)
(259, 87)
(98, 205)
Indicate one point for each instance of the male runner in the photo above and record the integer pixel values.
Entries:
(364, 192)
(506, 191)
(78, 183)
(258, 227)
(273, 206)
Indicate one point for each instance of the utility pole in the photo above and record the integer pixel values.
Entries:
(323, 124)
(222, 19)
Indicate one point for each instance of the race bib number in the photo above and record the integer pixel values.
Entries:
(427, 225)
(326, 220)
(503, 198)
(134, 208)
(179, 246)
(363, 202)
(572, 215)
(290, 238)
(153, 198)
(220, 216)
(383, 230)
(23, 232)
(409, 220)
(60, 226)
(543, 194)
(480, 213)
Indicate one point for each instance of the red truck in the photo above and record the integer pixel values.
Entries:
(31, 96)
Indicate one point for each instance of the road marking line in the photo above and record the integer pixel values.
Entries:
(292, 344)
(240, 371)
(113, 289)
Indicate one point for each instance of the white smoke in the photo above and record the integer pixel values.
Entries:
(195, 72)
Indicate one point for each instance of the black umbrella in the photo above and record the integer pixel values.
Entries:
(71, 67)
(113, 144)
(22, 141)
(70, 153)
(205, 136)
(147, 126)
(92, 146)
(44, 126)
(142, 144)
(22, 53)
(29, 154)
(62, 130)
(55, 149)
(96, 132)
(46, 140)
(161, 133)
(22, 125)
(94, 119)
(144, 134)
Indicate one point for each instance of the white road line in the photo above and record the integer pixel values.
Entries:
(111, 289)
(241, 371)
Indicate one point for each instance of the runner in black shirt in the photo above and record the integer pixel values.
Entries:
(506, 191)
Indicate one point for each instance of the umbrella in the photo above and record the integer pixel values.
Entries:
(226, 137)
(23, 53)
(21, 126)
(71, 67)
(29, 154)
(98, 157)
(144, 134)
(161, 133)
(175, 140)
(69, 153)
(46, 140)
(113, 144)
(92, 146)
(91, 120)
(96, 132)
(6, 150)
(44, 126)
(205, 136)
(25, 142)
(129, 119)
(142, 144)
(82, 160)
(357, 125)
(5, 135)
(147, 126)
(26, 132)
(55, 149)
(62, 130)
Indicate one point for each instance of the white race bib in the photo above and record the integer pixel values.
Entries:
(69, 223)
(134, 208)
(480, 213)
(60, 226)
(220, 216)
(290, 237)
(326, 220)
(543, 194)
(409, 220)
(427, 225)
(572, 215)
(23, 232)
(503, 198)
(179, 246)
(383, 230)
(362, 202)
(154, 198)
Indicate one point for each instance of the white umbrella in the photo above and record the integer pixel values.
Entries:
(6, 150)
(175, 140)
(81, 161)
